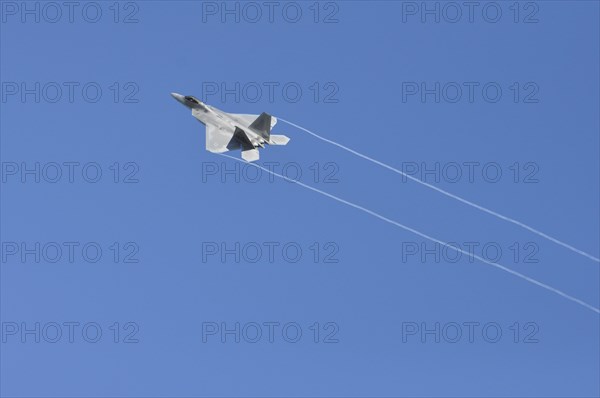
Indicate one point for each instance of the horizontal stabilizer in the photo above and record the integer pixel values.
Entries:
(279, 139)
(250, 155)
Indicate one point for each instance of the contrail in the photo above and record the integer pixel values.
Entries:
(414, 231)
(450, 195)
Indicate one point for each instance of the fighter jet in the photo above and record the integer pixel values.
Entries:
(229, 131)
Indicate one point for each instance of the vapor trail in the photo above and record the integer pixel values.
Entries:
(450, 195)
(414, 231)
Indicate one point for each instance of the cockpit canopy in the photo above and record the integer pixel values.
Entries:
(192, 99)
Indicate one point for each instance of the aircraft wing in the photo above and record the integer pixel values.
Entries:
(218, 140)
(247, 120)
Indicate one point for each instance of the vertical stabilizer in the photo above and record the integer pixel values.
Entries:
(262, 125)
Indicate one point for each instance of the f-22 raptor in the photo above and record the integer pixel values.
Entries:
(230, 131)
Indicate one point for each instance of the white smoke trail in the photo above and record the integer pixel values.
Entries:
(450, 195)
(414, 231)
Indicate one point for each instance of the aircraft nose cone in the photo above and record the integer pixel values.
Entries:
(178, 97)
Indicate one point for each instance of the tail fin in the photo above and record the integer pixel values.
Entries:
(279, 140)
(262, 125)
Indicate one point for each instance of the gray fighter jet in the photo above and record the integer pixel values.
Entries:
(229, 131)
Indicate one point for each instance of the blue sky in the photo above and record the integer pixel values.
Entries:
(115, 220)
